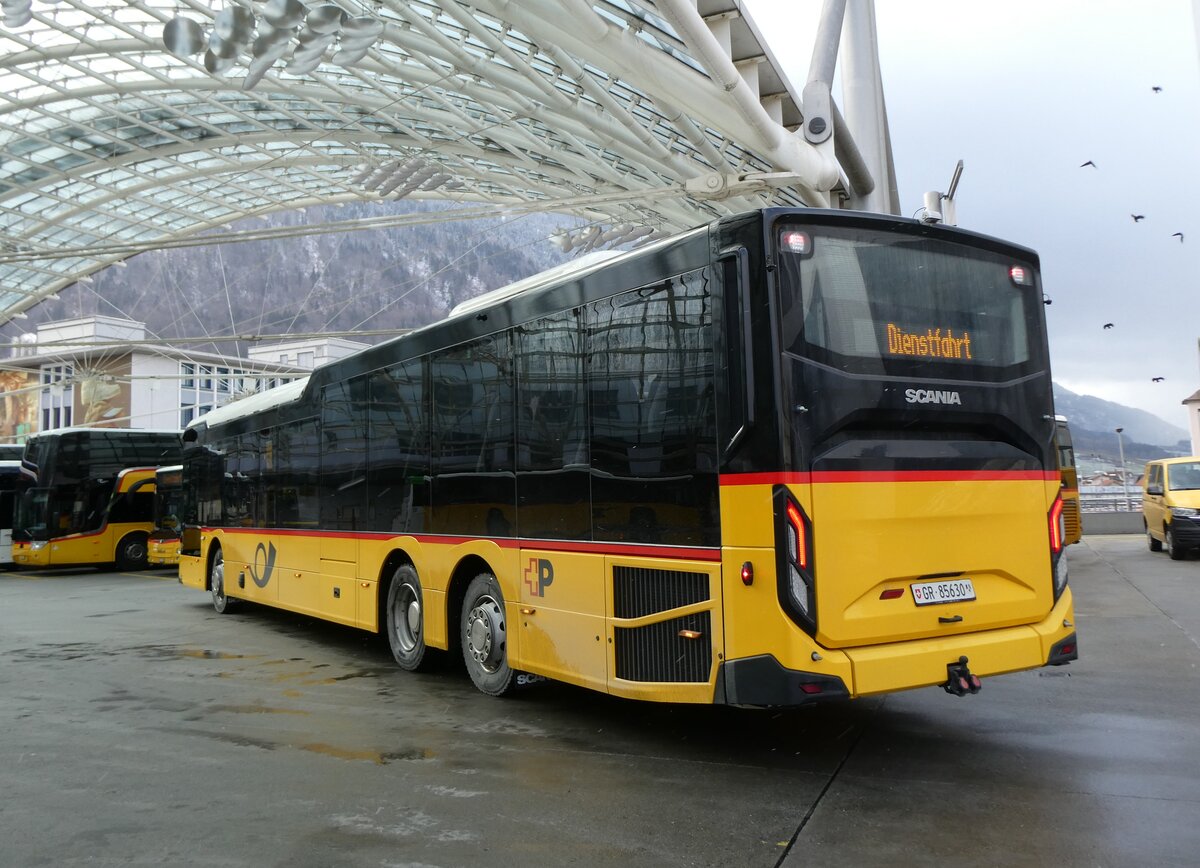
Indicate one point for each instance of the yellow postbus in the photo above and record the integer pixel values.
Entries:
(789, 456)
(163, 542)
(11, 481)
(89, 496)
(1072, 515)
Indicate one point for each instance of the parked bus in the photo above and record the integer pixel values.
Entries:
(10, 484)
(1072, 514)
(789, 456)
(163, 543)
(90, 496)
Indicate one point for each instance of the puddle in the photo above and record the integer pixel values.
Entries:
(259, 709)
(381, 758)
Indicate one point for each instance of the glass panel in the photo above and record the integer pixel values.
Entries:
(868, 301)
(398, 454)
(653, 443)
(344, 455)
(474, 490)
(552, 434)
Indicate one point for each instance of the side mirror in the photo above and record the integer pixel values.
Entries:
(1154, 489)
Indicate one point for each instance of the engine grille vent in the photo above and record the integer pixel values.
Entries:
(1071, 519)
(657, 652)
(638, 592)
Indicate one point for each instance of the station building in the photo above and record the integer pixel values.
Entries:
(103, 371)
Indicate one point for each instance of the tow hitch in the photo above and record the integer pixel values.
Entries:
(961, 681)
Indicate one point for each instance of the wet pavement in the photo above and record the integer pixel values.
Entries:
(139, 727)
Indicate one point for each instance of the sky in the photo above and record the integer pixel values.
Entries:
(1024, 92)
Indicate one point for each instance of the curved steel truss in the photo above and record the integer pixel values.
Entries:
(129, 125)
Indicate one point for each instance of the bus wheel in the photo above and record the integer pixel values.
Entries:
(1155, 545)
(484, 636)
(131, 552)
(406, 619)
(1174, 549)
(216, 581)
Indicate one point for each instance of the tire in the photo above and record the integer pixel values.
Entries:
(483, 632)
(132, 551)
(1155, 544)
(1174, 549)
(405, 619)
(216, 582)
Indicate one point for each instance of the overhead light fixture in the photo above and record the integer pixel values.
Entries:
(325, 27)
(183, 37)
(17, 13)
(585, 239)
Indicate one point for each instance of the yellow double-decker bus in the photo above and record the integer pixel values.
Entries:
(789, 456)
(163, 542)
(89, 496)
(1069, 476)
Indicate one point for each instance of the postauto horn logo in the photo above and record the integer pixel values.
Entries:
(264, 555)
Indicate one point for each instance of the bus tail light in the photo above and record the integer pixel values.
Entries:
(794, 552)
(1057, 530)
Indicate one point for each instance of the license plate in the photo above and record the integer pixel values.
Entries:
(952, 591)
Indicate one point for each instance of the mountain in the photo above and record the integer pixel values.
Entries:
(392, 278)
(1094, 422)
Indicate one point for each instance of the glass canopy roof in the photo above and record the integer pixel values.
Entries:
(126, 126)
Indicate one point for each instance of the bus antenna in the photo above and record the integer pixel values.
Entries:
(940, 207)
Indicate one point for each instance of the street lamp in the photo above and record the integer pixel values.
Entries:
(1124, 478)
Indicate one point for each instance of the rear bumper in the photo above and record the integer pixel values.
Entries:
(765, 681)
(164, 554)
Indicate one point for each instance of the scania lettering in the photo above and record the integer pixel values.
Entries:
(925, 396)
(680, 474)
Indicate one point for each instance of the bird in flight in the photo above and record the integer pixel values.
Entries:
(1157, 379)
(1108, 325)
(1089, 163)
(1178, 235)
(1138, 218)
(1156, 88)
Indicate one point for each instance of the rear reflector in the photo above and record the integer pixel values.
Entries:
(811, 688)
(892, 594)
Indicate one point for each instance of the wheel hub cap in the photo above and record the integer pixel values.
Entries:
(485, 634)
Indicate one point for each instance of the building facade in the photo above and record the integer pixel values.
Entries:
(102, 371)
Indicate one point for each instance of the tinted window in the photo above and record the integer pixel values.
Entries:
(552, 431)
(344, 455)
(474, 491)
(398, 455)
(653, 441)
(870, 301)
(132, 506)
(240, 483)
(289, 474)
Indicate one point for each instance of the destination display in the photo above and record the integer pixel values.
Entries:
(933, 343)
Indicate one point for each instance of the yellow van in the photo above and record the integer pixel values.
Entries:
(1171, 505)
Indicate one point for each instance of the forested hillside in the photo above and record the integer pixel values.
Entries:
(375, 279)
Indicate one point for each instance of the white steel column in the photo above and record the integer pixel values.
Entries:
(865, 110)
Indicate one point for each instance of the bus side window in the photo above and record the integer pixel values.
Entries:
(734, 345)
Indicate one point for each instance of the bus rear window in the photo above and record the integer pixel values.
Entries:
(862, 299)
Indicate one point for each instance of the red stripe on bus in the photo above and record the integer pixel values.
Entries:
(566, 546)
(888, 476)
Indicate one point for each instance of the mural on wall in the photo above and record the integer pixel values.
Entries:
(104, 394)
(18, 404)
